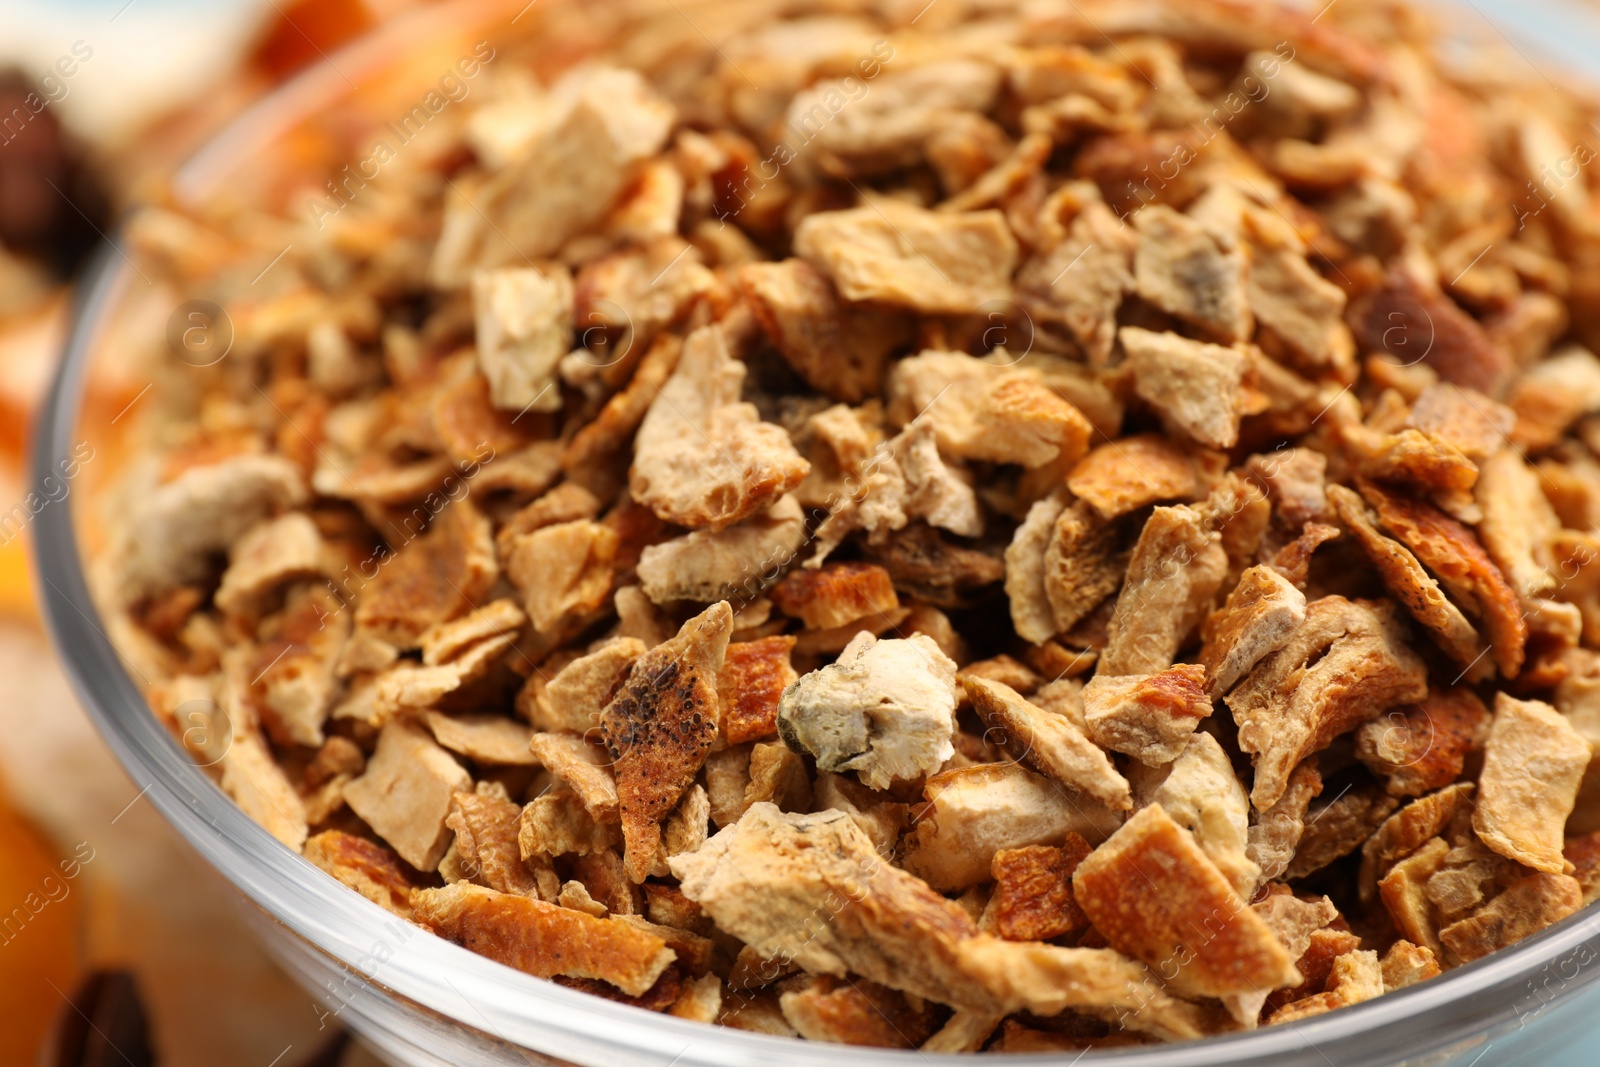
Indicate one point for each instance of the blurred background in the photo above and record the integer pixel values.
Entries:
(117, 946)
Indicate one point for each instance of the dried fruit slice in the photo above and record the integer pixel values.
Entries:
(660, 727)
(544, 940)
(1156, 896)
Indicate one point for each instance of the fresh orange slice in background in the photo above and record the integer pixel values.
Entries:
(39, 956)
(16, 583)
(38, 949)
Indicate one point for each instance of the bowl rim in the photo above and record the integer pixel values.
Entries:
(1459, 1008)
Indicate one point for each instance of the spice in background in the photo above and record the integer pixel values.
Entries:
(106, 1024)
(53, 206)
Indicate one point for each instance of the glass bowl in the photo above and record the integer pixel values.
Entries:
(424, 1001)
